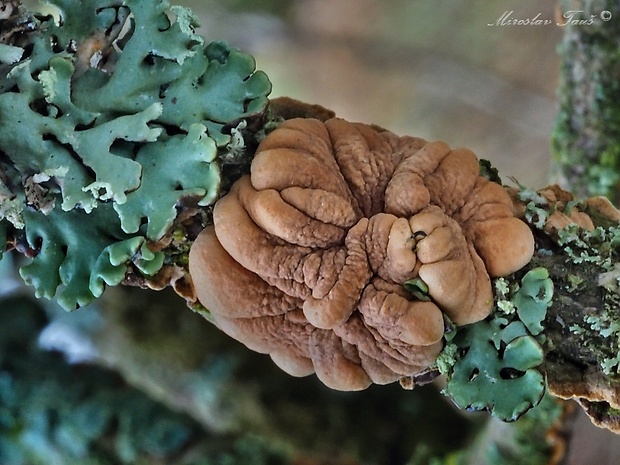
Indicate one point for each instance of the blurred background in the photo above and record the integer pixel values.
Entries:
(431, 69)
(438, 70)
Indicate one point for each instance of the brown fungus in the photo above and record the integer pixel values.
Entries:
(563, 216)
(309, 254)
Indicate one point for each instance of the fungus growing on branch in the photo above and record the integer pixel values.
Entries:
(312, 256)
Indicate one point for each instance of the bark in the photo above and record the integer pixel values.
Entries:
(581, 336)
(582, 342)
(582, 327)
(585, 139)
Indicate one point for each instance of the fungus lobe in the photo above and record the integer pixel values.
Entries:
(309, 253)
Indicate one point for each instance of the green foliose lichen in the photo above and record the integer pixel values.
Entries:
(78, 252)
(113, 121)
(495, 362)
(533, 298)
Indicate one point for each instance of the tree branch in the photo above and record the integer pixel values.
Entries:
(102, 216)
(587, 130)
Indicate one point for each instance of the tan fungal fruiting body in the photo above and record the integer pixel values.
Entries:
(308, 255)
(560, 199)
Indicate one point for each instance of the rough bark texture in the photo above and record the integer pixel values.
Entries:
(587, 161)
(577, 352)
(582, 327)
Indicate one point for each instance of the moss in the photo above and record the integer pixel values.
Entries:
(488, 171)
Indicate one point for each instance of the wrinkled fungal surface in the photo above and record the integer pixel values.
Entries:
(308, 256)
